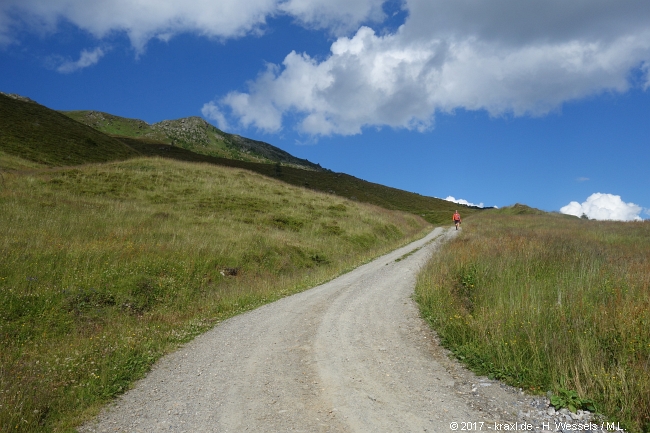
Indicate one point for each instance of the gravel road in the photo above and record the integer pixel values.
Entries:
(351, 355)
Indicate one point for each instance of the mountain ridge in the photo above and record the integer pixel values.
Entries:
(33, 133)
(194, 134)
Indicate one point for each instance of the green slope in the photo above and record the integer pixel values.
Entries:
(36, 133)
(434, 210)
(194, 134)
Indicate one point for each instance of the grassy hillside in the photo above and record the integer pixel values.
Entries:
(194, 134)
(549, 302)
(106, 267)
(434, 210)
(60, 141)
(36, 133)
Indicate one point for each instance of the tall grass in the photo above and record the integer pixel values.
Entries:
(548, 302)
(105, 268)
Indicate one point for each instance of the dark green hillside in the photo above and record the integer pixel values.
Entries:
(36, 133)
(194, 134)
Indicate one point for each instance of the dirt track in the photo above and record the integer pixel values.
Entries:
(351, 355)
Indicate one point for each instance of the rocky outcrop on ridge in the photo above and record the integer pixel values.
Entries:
(194, 134)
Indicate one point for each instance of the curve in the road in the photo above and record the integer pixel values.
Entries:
(350, 355)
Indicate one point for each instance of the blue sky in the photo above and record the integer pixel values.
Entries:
(494, 102)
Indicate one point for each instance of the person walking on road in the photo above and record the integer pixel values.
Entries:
(456, 218)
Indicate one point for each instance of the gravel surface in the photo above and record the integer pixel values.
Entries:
(351, 355)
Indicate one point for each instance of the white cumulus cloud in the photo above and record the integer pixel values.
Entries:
(86, 59)
(504, 56)
(143, 20)
(366, 80)
(604, 207)
(507, 57)
(339, 16)
(463, 201)
(212, 112)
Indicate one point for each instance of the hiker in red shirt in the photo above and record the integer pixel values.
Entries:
(456, 218)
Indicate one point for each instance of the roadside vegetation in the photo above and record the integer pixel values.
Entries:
(104, 268)
(549, 303)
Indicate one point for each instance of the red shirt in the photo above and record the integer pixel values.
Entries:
(456, 216)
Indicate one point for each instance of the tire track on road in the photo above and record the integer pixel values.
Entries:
(351, 355)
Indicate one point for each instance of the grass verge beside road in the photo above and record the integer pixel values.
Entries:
(548, 302)
(104, 268)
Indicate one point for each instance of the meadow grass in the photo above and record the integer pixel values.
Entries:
(104, 268)
(549, 303)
